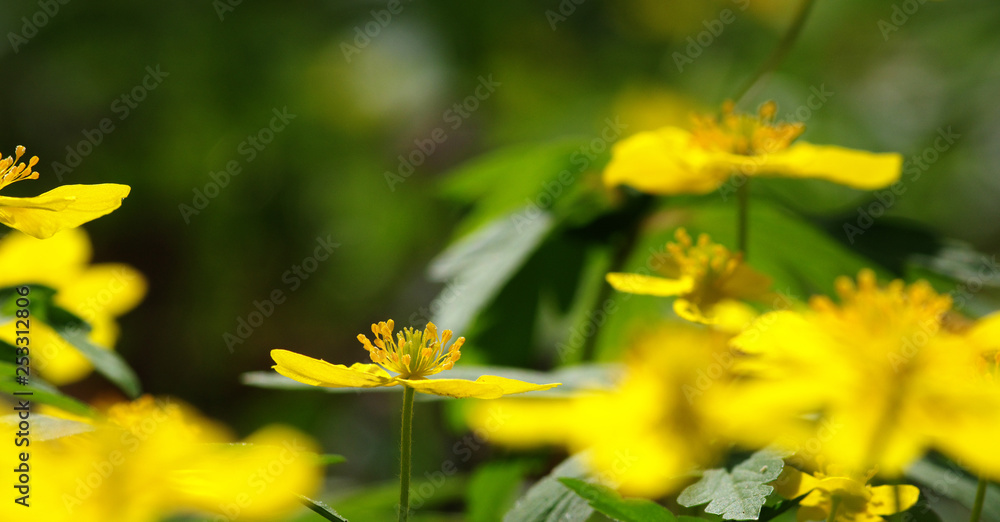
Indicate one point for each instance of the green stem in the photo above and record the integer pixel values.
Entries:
(742, 211)
(834, 505)
(405, 447)
(977, 506)
(780, 51)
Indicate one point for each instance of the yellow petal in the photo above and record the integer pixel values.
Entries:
(854, 168)
(883, 501)
(52, 357)
(485, 387)
(649, 285)
(68, 206)
(793, 483)
(664, 162)
(317, 372)
(106, 289)
(54, 261)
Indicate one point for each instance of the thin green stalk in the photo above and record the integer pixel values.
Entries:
(743, 217)
(405, 447)
(977, 506)
(779, 53)
(834, 505)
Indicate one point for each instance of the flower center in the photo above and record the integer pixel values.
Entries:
(11, 170)
(745, 134)
(705, 262)
(413, 354)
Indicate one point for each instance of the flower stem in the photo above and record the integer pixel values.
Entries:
(977, 506)
(405, 447)
(834, 505)
(780, 51)
(742, 208)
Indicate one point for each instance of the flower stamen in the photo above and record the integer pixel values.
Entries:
(413, 354)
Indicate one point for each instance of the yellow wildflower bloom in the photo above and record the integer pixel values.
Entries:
(856, 501)
(707, 279)
(68, 206)
(96, 293)
(644, 437)
(151, 458)
(886, 378)
(413, 355)
(677, 161)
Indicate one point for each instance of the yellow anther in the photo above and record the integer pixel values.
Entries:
(406, 360)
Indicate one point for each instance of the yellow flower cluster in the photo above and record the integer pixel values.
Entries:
(151, 458)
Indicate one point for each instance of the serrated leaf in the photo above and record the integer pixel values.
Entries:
(321, 509)
(609, 502)
(47, 427)
(551, 501)
(738, 494)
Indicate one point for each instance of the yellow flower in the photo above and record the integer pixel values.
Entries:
(413, 355)
(856, 501)
(677, 161)
(68, 206)
(645, 436)
(98, 294)
(887, 380)
(152, 458)
(707, 279)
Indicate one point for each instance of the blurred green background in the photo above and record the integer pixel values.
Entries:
(366, 86)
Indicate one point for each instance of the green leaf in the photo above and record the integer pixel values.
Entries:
(955, 484)
(551, 501)
(47, 427)
(609, 502)
(738, 494)
(41, 392)
(328, 459)
(493, 488)
(322, 509)
(106, 362)
(501, 182)
(476, 267)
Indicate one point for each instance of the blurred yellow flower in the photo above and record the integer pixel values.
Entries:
(152, 458)
(855, 500)
(677, 161)
(708, 280)
(413, 355)
(96, 293)
(887, 381)
(68, 206)
(644, 437)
